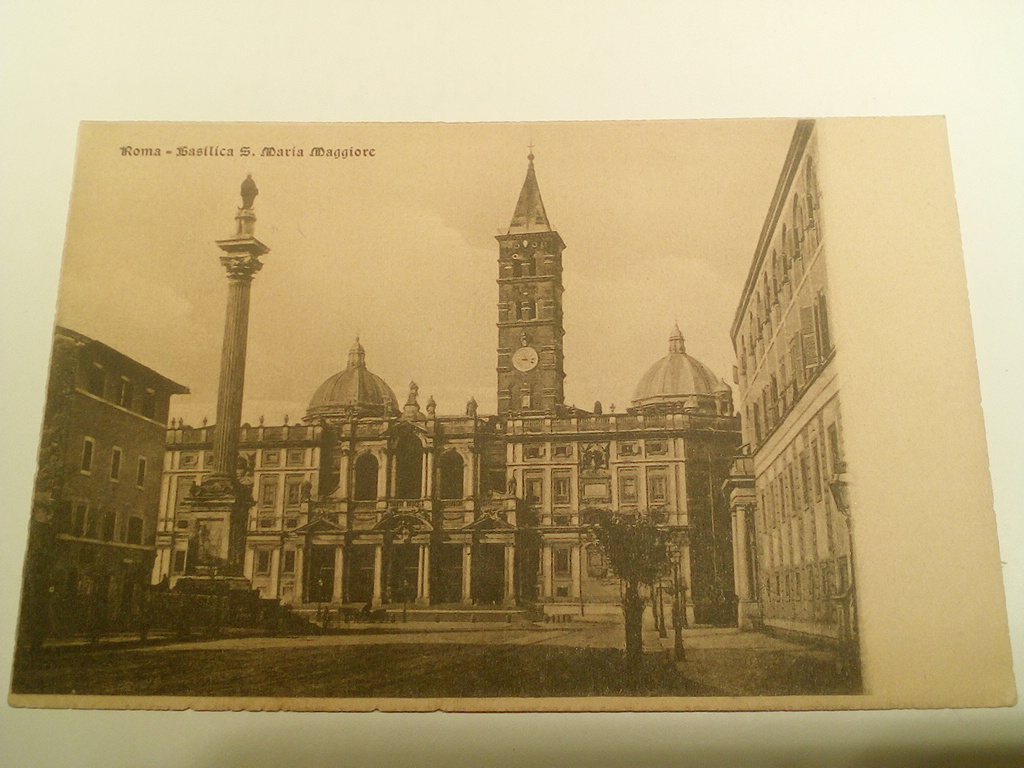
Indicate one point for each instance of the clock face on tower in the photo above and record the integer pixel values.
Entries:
(525, 359)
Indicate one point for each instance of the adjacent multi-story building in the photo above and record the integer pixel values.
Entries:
(370, 502)
(97, 491)
(791, 526)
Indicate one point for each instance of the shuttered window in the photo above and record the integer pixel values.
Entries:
(809, 337)
(823, 330)
(797, 358)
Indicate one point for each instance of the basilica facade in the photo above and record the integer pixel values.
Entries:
(373, 502)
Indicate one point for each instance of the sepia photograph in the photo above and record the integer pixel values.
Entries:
(482, 416)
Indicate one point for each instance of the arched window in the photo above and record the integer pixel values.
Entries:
(365, 478)
(527, 310)
(450, 473)
(408, 468)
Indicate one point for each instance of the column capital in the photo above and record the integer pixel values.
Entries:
(242, 267)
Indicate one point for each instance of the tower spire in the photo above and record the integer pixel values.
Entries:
(529, 215)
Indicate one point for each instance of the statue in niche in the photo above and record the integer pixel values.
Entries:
(594, 459)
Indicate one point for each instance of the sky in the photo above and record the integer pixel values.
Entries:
(660, 220)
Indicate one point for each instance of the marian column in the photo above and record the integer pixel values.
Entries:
(242, 262)
(222, 500)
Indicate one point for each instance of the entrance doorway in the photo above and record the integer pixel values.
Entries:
(446, 574)
(527, 570)
(320, 574)
(488, 581)
(359, 565)
(402, 573)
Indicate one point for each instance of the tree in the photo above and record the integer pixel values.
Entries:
(638, 552)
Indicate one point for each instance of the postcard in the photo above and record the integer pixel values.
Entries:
(596, 416)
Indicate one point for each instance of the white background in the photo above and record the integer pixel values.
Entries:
(61, 63)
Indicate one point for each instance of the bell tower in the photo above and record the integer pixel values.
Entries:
(530, 358)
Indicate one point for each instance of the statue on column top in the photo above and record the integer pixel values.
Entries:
(249, 192)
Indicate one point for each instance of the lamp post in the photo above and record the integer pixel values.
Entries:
(662, 632)
(678, 606)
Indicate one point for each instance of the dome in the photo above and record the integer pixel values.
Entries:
(677, 377)
(353, 392)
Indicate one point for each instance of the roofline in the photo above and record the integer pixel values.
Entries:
(81, 338)
(801, 135)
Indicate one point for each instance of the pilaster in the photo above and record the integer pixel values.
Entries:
(467, 574)
(510, 574)
(339, 571)
(378, 568)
